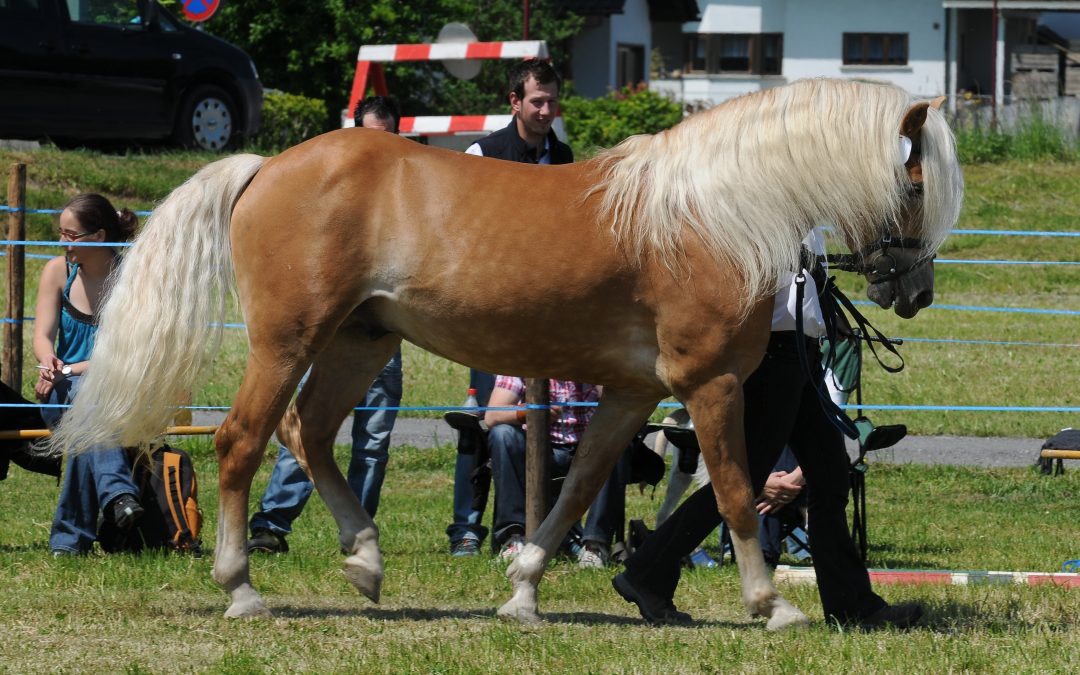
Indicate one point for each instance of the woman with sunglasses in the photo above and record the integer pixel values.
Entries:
(70, 294)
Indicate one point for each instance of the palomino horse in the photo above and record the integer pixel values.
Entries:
(344, 245)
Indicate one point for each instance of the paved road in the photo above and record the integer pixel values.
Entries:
(955, 450)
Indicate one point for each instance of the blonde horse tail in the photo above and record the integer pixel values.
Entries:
(161, 323)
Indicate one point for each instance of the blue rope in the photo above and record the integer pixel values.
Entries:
(947, 261)
(592, 404)
(976, 308)
(1002, 233)
(23, 209)
(64, 244)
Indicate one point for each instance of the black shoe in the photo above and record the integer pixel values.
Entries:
(653, 609)
(125, 510)
(899, 616)
(265, 541)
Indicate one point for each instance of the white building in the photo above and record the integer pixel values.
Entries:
(929, 47)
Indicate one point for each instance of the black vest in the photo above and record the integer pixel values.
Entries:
(507, 144)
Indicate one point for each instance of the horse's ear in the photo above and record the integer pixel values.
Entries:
(914, 118)
(936, 103)
(911, 126)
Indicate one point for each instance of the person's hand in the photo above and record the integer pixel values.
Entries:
(51, 369)
(42, 390)
(49, 372)
(779, 491)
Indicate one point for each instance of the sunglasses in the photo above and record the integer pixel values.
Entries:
(68, 235)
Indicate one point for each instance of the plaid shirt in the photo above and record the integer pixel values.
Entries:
(568, 428)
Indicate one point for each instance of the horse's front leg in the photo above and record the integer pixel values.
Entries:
(717, 411)
(615, 422)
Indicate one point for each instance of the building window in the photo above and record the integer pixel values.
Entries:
(741, 53)
(875, 49)
(629, 65)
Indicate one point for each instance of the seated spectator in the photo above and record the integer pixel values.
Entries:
(70, 294)
(506, 442)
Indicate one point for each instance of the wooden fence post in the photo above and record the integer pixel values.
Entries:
(16, 255)
(537, 455)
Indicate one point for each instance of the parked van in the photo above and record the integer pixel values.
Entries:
(120, 69)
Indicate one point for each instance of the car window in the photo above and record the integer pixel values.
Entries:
(104, 12)
(19, 8)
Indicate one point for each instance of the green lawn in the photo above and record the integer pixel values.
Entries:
(162, 614)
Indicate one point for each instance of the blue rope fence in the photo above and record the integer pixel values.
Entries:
(479, 409)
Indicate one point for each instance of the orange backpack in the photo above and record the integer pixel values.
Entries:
(169, 492)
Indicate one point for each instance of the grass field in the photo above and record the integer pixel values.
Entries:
(1004, 196)
(133, 614)
(159, 614)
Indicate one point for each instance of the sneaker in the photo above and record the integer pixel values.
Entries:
(901, 616)
(699, 558)
(265, 541)
(653, 609)
(125, 510)
(593, 556)
(512, 548)
(465, 548)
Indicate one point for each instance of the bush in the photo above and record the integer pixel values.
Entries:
(288, 119)
(603, 122)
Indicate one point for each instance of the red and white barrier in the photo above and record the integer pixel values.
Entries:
(805, 575)
(439, 51)
(368, 66)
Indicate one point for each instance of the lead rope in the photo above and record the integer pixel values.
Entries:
(833, 302)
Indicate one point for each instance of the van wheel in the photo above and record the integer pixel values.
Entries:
(206, 119)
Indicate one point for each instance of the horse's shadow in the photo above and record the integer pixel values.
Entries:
(904, 557)
(294, 611)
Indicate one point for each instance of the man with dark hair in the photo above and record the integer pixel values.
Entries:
(290, 488)
(533, 93)
(378, 112)
(534, 100)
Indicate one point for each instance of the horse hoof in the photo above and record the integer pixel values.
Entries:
(787, 618)
(514, 612)
(366, 579)
(247, 609)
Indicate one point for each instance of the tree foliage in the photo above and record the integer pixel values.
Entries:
(309, 47)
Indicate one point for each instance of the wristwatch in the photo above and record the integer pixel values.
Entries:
(66, 370)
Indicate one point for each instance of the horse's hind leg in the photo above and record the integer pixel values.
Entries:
(240, 442)
(615, 422)
(339, 377)
(717, 411)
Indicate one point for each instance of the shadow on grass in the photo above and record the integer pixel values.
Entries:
(24, 548)
(905, 557)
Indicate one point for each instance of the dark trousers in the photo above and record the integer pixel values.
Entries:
(507, 444)
(781, 408)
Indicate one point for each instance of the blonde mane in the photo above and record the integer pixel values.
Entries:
(750, 177)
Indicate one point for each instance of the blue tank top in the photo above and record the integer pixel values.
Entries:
(77, 329)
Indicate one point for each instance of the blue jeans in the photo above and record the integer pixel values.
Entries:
(92, 480)
(289, 488)
(507, 444)
(467, 518)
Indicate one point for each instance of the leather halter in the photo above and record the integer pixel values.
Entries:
(883, 268)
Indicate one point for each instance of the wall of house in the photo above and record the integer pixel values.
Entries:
(813, 43)
(594, 49)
